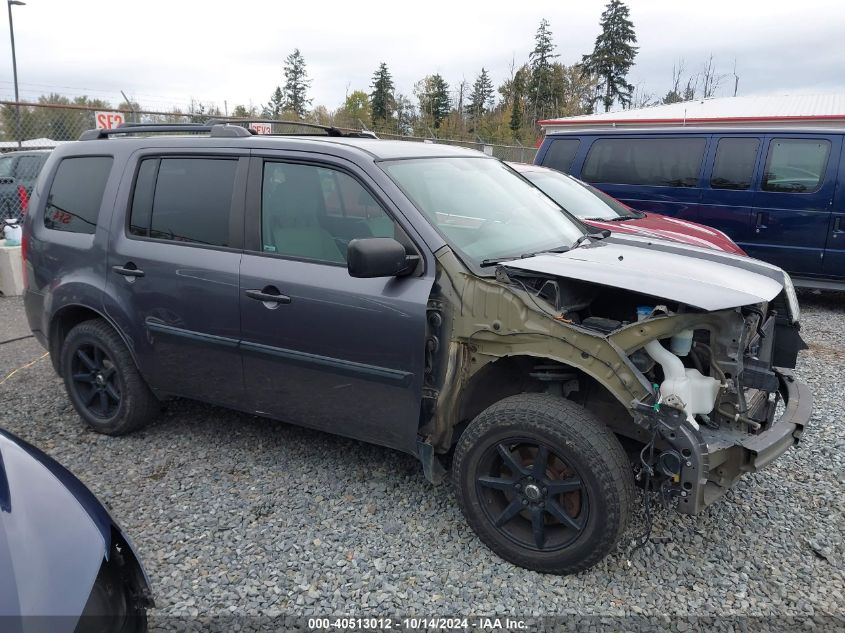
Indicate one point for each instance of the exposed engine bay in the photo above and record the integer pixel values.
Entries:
(694, 391)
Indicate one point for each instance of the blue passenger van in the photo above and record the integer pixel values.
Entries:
(777, 192)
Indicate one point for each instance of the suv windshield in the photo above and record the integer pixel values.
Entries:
(579, 198)
(482, 207)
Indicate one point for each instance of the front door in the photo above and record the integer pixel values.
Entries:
(321, 348)
(173, 274)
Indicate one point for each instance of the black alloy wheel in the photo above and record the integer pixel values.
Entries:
(102, 381)
(532, 494)
(543, 483)
(95, 380)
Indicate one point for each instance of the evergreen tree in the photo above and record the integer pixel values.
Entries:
(434, 99)
(406, 116)
(517, 98)
(276, 104)
(481, 97)
(295, 91)
(612, 56)
(382, 102)
(541, 90)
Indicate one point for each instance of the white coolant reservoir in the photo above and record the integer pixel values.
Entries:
(681, 343)
(694, 391)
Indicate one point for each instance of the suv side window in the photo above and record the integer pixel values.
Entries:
(313, 212)
(795, 165)
(6, 163)
(76, 194)
(560, 154)
(734, 164)
(184, 200)
(28, 167)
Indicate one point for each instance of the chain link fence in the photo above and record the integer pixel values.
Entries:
(28, 132)
(43, 126)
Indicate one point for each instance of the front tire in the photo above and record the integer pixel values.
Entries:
(543, 483)
(102, 381)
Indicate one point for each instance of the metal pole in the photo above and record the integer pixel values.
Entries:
(15, 74)
(130, 107)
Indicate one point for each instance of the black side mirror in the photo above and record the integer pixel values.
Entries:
(377, 257)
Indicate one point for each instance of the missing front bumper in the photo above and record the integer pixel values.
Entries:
(723, 459)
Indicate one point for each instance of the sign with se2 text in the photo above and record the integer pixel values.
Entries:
(108, 120)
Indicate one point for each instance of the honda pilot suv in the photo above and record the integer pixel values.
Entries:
(422, 297)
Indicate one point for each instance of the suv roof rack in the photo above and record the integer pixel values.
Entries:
(330, 130)
(216, 129)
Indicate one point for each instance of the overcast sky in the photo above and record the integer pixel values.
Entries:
(163, 53)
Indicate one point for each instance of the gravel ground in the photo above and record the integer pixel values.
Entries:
(234, 514)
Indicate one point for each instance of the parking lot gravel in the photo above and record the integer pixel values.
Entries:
(234, 514)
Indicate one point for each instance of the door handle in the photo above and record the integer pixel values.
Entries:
(761, 218)
(269, 294)
(126, 271)
(837, 226)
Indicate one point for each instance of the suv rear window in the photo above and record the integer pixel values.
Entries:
(184, 200)
(662, 162)
(76, 194)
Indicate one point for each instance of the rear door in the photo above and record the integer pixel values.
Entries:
(792, 208)
(173, 272)
(331, 352)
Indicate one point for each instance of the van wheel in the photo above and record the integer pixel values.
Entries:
(102, 381)
(543, 483)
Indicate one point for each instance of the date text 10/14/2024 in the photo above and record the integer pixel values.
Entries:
(417, 624)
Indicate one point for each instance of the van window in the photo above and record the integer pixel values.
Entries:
(734, 164)
(191, 202)
(76, 194)
(795, 165)
(560, 154)
(664, 162)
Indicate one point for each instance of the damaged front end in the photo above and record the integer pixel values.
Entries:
(720, 407)
(700, 390)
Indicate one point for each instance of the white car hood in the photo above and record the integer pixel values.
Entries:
(698, 277)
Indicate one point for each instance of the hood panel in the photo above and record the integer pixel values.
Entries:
(698, 277)
(667, 228)
(50, 548)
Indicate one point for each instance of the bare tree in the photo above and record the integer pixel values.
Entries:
(675, 95)
(710, 78)
(640, 98)
(736, 79)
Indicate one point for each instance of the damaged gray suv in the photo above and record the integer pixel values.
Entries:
(422, 297)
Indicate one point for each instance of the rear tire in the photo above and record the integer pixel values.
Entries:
(102, 381)
(543, 483)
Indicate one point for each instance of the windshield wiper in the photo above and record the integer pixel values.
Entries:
(486, 263)
(618, 218)
(599, 235)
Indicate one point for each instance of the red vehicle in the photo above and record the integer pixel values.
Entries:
(602, 211)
